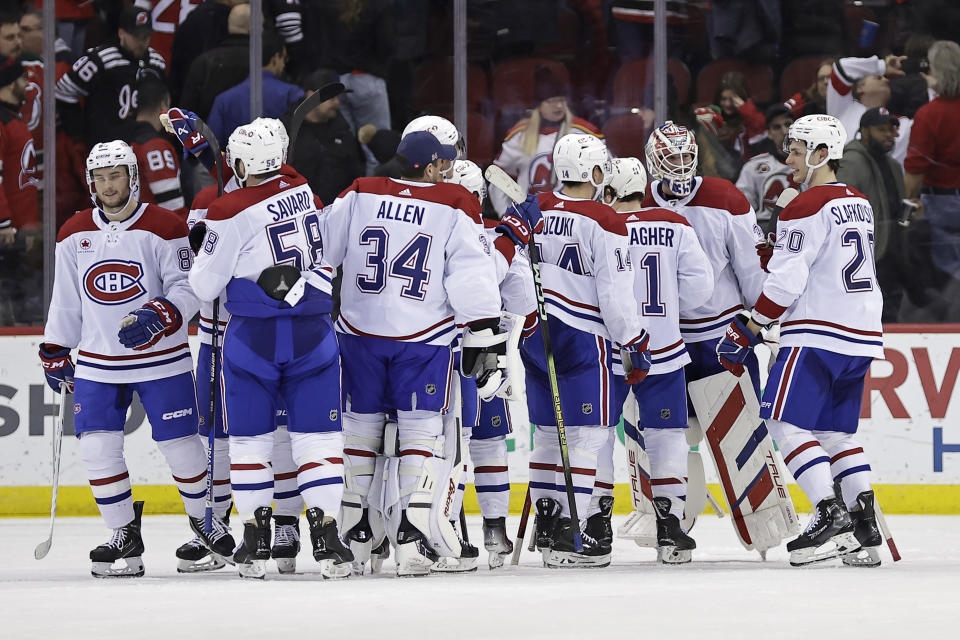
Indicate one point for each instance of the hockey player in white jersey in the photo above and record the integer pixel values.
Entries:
(764, 176)
(123, 265)
(263, 251)
(672, 274)
(823, 291)
(446, 132)
(593, 324)
(416, 265)
(487, 435)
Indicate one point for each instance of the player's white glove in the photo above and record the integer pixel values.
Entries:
(484, 356)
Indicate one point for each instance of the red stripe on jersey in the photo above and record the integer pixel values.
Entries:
(670, 348)
(136, 356)
(844, 454)
(542, 466)
(582, 305)
(409, 337)
(583, 471)
(768, 308)
(445, 193)
(600, 213)
(490, 469)
(252, 466)
(196, 478)
(811, 201)
(785, 382)
(290, 475)
(834, 325)
(793, 454)
(602, 485)
(235, 202)
(656, 214)
(416, 452)
(719, 315)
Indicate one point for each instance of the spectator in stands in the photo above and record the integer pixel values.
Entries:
(72, 19)
(868, 166)
(232, 107)
(156, 157)
(765, 175)
(527, 150)
(858, 84)
(220, 68)
(11, 46)
(814, 99)
(327, 153)
(358, 39)
(912, 91)
(204, 28)
(98, 94)
(933, 165)
(743, 124)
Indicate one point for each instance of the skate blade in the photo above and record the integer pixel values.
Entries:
(131, 568)
(672, 555)
(210, 562)
(570, 560)
(839, 545)
(865, 557)
(331, 570)
(286, 566)
(255, 569)
(454, 565)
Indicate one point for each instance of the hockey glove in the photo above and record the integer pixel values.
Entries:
(183, 124)
(484, 356)
(765, 251)
(736, 344)
(636, 359)
(145, 326)
(57, 366)
(523, 223)
(197, 234)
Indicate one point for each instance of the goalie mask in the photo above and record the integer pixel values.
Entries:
(576, 155)
(468, 175)
(813, 131)
(107, 155)
(254, 149)
(672, 157)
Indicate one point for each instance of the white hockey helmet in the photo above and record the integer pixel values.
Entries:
(575, 156)
(468, 174)
(671, 154)
(627, 176)
(116, 153)
(279, 128)
(442, 128)
(813, 131)
(258, 146)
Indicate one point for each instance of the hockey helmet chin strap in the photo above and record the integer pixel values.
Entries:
(812, 167)
(132, 182)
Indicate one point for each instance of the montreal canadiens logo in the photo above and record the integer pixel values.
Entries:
(114, 282)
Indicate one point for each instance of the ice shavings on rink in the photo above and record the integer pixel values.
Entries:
(726, 593)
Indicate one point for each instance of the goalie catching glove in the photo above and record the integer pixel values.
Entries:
(484, 356)
(144, 327)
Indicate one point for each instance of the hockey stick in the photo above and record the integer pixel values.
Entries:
(44, 547)
(522, 531)
(463, 525)
(886, 531)
(214, 347)
(499, 178)
(324, 93)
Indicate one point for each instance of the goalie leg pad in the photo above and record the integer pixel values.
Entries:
(848, 464)
(745, 459)
(641, 525)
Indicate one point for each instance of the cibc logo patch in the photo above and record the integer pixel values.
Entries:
(114, 282)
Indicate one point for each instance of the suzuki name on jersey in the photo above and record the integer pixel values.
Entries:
(645, 235)
(291, 205)
(401, 212)
(857, 212)
(558, 225)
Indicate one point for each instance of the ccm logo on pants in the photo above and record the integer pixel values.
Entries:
(173, 415)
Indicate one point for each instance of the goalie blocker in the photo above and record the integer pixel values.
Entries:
(744, 456)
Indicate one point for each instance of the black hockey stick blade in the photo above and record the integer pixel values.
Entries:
(324, 93)
(215, 149)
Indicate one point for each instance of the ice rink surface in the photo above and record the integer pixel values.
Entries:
(725, 593)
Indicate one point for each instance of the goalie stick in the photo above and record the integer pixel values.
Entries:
(499, 178)
(44, 547)
(324, 93)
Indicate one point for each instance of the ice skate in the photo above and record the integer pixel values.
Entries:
(218, 541)
(466, 563)
(286, 543)
(254, 551)
(194, 557)
(360, 539)
(673, 545)
(335, 558)
(125, 544)
(414, 555)
(867, 533)
(829, 534)
(496, 541)
(545, 523)
(599, 525)
(595, 554)
(380, 553)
